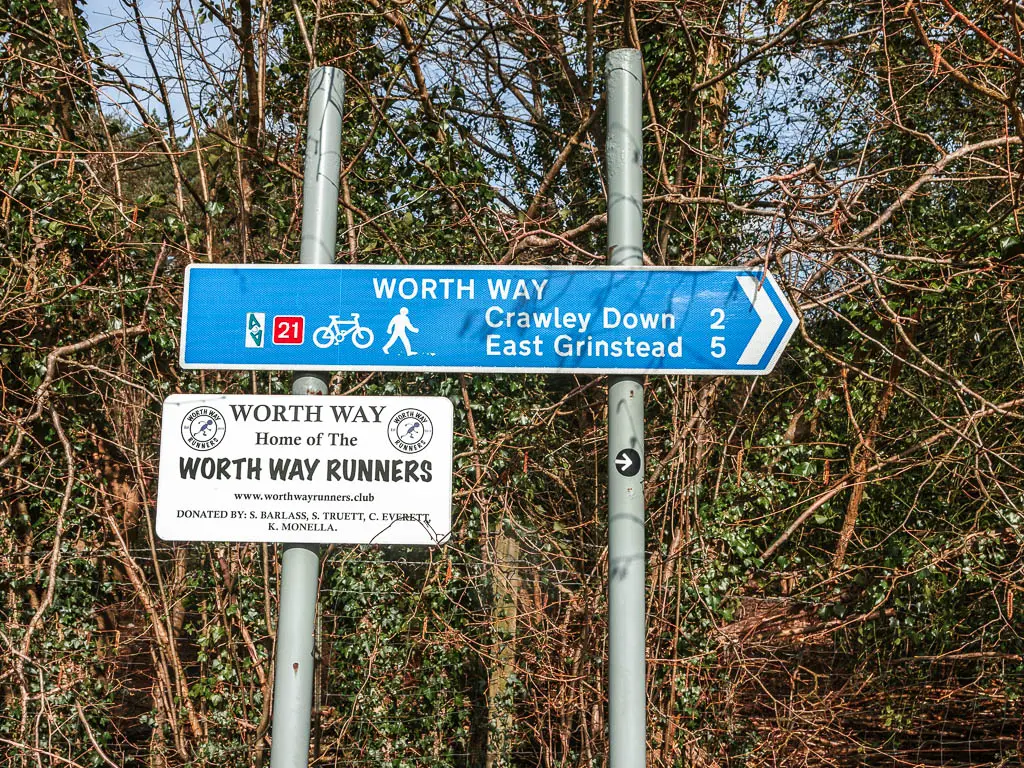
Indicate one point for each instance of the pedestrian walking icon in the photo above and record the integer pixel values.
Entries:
(398, 326)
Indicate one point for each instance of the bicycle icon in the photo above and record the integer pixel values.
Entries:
(335, 332)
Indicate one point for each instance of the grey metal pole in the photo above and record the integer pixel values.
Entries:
(300, 563)
(627, 708)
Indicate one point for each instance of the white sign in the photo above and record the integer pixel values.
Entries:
(353, 470)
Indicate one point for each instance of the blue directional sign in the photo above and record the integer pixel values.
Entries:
(489, 319)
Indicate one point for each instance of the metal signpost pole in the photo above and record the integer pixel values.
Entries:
(626, 559)
(300, 563)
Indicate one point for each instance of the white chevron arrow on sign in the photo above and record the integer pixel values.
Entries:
(771, 321)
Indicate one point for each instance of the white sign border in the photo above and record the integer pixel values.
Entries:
(442, 415)
(764, 369)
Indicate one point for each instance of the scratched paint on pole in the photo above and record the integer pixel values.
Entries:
(487, 319)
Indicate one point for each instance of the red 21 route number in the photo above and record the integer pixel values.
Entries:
(289, 329)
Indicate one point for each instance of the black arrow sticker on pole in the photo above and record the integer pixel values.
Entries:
(627, 461)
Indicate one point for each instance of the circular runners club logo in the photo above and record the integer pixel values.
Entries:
(203, 428)
(410, 430)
